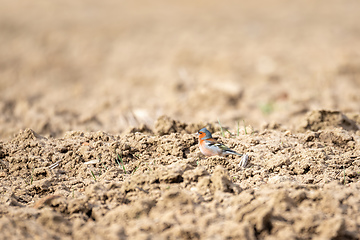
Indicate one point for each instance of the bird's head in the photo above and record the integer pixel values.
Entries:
(204, 134)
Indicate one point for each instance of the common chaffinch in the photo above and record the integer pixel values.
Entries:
(210, 147)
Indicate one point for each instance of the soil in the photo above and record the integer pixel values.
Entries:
(100, 103)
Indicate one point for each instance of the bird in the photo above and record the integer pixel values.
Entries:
(210, 147)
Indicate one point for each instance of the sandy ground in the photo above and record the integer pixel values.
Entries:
(100, 101)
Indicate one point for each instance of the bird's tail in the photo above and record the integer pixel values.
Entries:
(229, 151)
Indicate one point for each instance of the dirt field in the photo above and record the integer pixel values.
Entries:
(100, 102)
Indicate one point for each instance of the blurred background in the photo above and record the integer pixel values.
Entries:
(108, 65)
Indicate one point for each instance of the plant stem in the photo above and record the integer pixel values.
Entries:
(122, 163)
(93, 174)
(32, 176)
(222, 131)
(245, 127)
(135, 170)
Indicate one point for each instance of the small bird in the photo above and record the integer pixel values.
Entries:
(210, 147)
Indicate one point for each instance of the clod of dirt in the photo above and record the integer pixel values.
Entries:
(40, 173)
(355, 116)
(19, 228)
(80, 205)
(335, 136)
(221, 181)
(324, 119)
(165, 125)
(333, 228)
(46, 201)
(218, 181)
(54, 221)
(127, 212)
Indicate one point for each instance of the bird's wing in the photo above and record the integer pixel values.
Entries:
(220, 148)
(214, 143)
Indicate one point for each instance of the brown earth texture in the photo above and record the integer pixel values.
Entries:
(100, 102)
